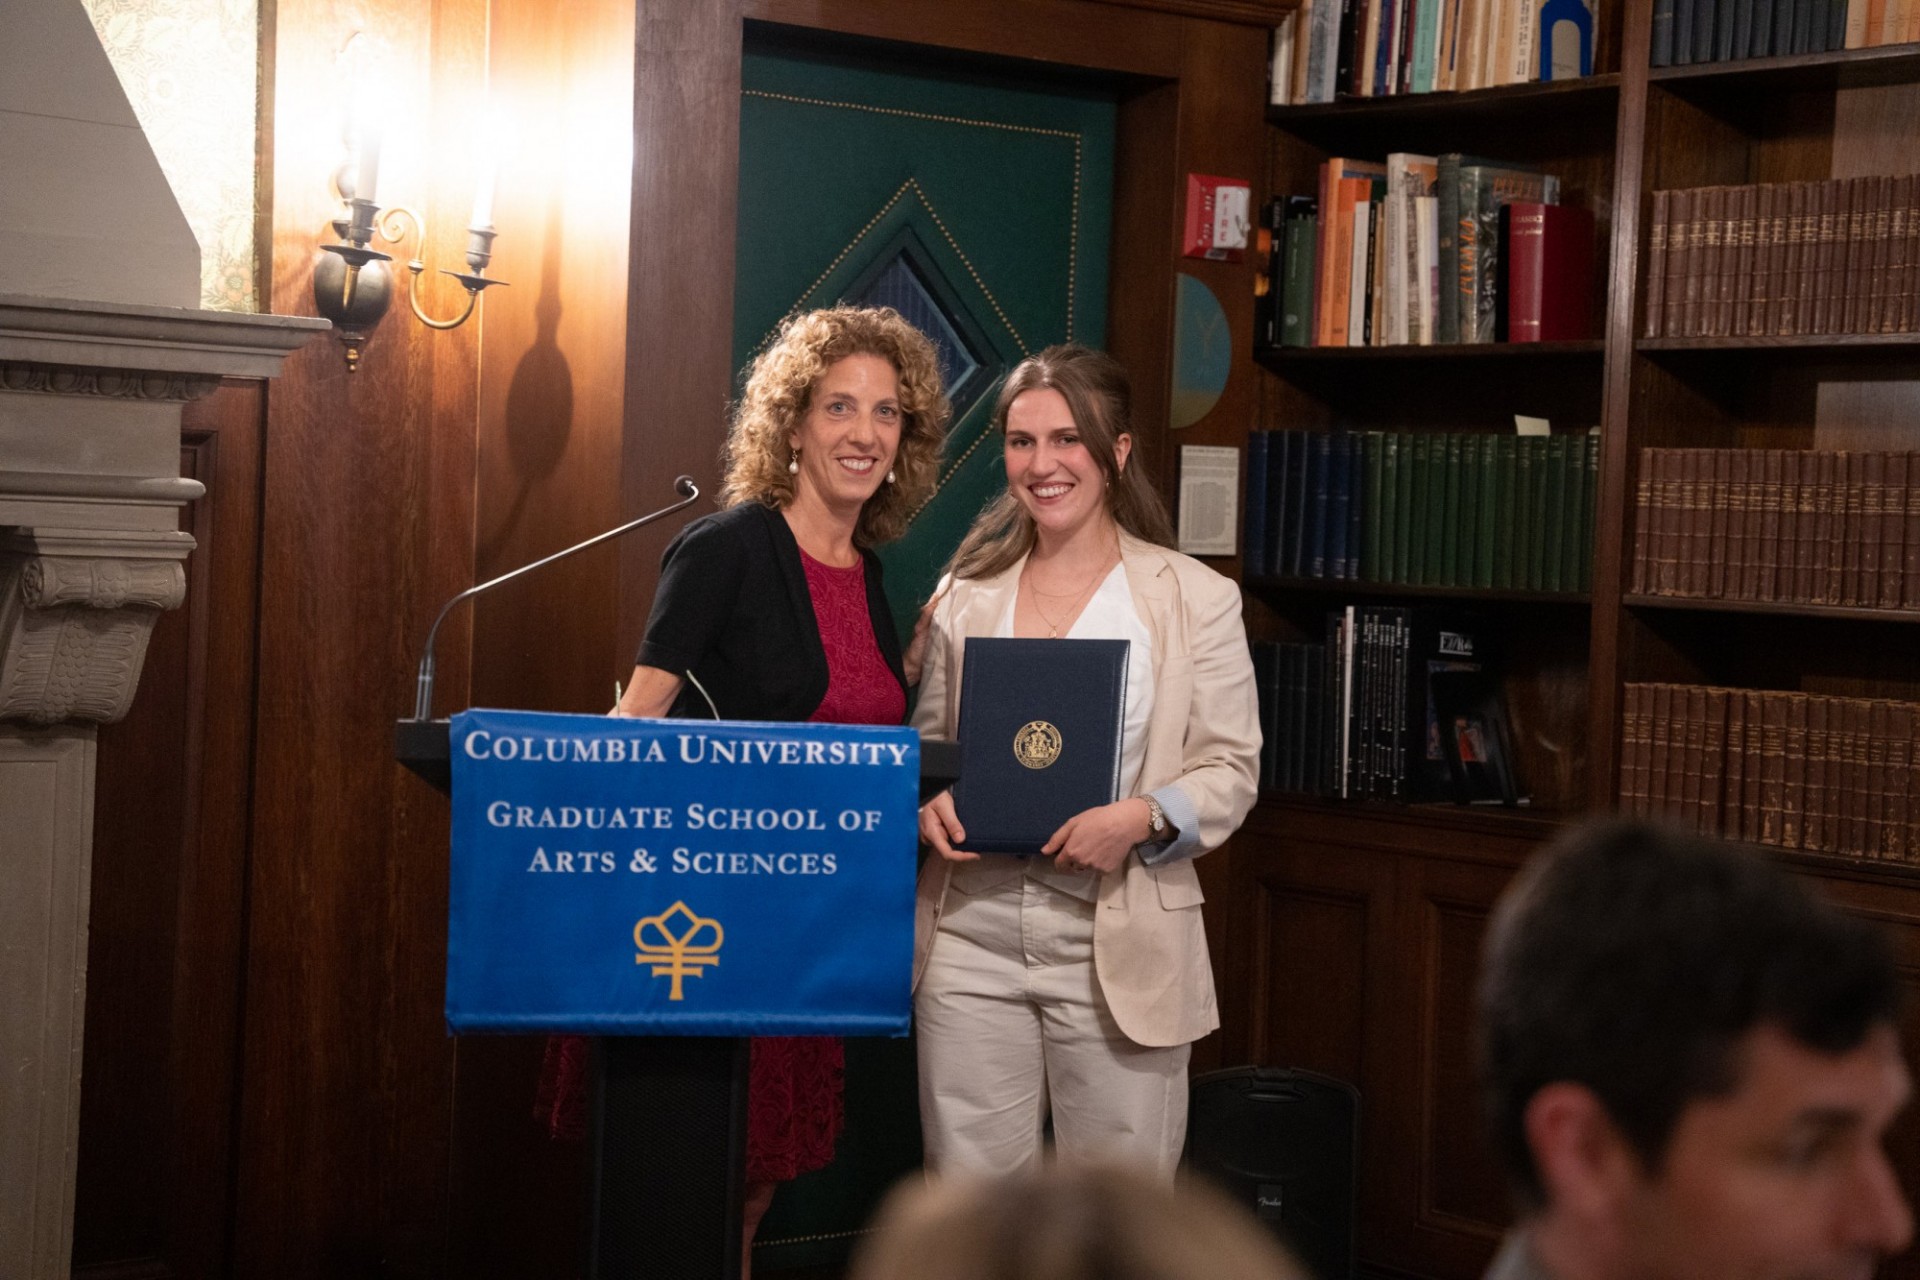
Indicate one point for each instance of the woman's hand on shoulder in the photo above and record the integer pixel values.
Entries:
(940, 827)
(1099, 839)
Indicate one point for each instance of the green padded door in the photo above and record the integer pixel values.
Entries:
(979, 208)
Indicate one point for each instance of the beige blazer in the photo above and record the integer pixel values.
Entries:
(1149, 946)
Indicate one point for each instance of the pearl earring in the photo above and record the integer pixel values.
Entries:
(793, 464)
(889, 475)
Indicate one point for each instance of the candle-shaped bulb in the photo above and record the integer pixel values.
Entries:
(367, 177)
(483, 194)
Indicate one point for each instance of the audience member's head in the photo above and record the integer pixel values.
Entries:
(1068, 1223)
(1690, 1064)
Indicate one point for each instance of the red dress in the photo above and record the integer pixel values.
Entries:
(794, 1103)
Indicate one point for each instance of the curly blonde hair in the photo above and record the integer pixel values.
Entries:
(780, 388)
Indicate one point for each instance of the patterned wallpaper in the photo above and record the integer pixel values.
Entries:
(191, 70)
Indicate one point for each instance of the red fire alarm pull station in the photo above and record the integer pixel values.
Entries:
(1217, 217)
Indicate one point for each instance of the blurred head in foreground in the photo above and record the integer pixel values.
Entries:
(1067, 1223)
(1689, 1066)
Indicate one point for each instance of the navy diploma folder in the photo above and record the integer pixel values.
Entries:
(1040, 730)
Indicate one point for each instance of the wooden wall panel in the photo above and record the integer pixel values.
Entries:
(170, 855)
(367, 526)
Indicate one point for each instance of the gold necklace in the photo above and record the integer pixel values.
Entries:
(1053, 628)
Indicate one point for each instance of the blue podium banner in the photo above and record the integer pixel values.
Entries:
(677, 877)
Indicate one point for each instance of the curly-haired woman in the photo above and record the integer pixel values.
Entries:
(775, 608)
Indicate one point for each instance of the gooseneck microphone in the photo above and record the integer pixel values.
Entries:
(423, 694)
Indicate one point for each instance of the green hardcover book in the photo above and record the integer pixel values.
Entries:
(1413, 509)
(1469, 517)
(1450, 514)
(1373, 461)
(1539, 489)
(1389, 506)
(1522, 505)
(1434, 530)
(1301, 237)
(1553, 515)
(1590, 505)
(1488, 525)
(1577, 512)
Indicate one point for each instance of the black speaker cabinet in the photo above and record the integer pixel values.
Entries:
(1285, 1144)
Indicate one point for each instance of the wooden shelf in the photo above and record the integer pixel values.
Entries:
(1525, 820)
(1595, 94)
(1378, 590)
(1813, 343)
(1778, 608)
(1841, 69)
(1280, 357)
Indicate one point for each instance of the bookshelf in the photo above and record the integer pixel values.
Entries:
(1379, 908)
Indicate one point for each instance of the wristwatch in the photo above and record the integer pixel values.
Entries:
(1156, 819)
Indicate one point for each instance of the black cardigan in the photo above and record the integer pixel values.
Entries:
(733, 607)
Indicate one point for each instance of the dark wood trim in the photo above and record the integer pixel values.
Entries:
(1326, 586)
(1279, 358)
(1591, 93)
(1259, 13)
(1612, 519)
(1905, 344)
(1840, 69)
(1780, 608)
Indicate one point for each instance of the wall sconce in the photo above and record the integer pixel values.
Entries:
(352, 284)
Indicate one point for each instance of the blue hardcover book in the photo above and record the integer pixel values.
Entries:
(1279, 503)
(1299, 468)
(1040, 731)
(1356, 500)
(1253, 525)
(1340, 471)
(1318, 491)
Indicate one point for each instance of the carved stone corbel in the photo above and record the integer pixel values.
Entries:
(76, 611)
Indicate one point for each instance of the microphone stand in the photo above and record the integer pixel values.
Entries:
(420, 742)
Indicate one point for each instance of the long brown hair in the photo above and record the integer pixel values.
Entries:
(780, 389)
(1101, 400)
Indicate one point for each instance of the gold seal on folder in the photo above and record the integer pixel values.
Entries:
(1037, 745)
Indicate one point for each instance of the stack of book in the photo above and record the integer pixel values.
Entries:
(1785, 258)
(1327, 49)
(1789, 525)
(1422, 508)
(1690, 31)
(1289, 680)
(1796, 770)
(1397, 704)
(1423, 250)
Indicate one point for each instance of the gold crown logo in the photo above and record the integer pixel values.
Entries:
(674, 955)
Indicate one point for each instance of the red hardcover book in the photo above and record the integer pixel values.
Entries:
(1873, 504)
(1643, 525)
(1659, 747)
(1548, 263)
(1879, 724)
(1805, 470)
(1657, 266)
(1717, 509)
(1713, 762)
(1893, 531)
(1736, 763)
(1793, 796)
(1686, 811)
(1634, 745)
(1893, 833)
(1814, 818)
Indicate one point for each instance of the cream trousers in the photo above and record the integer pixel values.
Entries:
(1011, 1023)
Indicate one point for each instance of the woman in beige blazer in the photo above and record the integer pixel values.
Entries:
(1074, 983)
